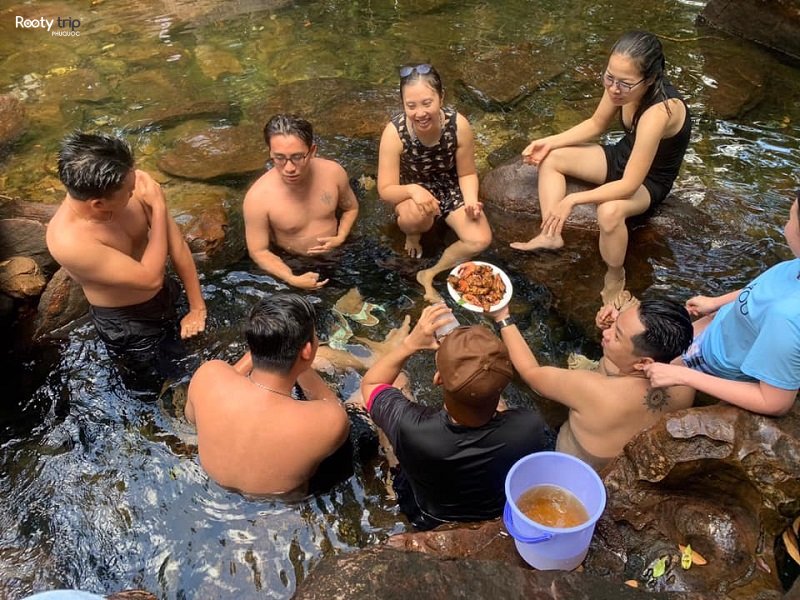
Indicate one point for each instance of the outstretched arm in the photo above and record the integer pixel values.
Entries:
(570, 388)
(388, 367)
(757, 397)
(195, 320)
(583, 132)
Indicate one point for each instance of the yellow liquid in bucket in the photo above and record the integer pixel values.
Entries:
(553, 506)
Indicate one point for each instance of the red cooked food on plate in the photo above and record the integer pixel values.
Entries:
(479, 285)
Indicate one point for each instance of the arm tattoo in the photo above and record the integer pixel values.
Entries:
(656, 399)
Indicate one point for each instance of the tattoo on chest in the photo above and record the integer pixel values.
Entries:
(656, 399)
(327, 198)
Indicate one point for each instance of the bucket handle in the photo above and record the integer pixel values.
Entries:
(509, 523)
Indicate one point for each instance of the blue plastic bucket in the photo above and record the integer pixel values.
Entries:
(545, 547)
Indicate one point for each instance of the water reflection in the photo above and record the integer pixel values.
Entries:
(101, 487)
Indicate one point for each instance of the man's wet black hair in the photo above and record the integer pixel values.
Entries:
(646, 52)
(289, 125)
(667, 330)
(93, 165)
(277, 329)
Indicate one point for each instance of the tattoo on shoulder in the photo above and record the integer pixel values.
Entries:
(326, 198)
(656, 399)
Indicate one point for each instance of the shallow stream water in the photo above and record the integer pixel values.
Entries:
(101, 488)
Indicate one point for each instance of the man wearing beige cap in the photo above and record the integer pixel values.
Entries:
(452, 460)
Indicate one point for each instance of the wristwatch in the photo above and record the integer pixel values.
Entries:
(504, 323)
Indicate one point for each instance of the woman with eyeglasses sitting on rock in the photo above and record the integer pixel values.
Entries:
(634, 174)
(426, 170)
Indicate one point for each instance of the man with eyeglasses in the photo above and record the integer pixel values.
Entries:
(295, 203)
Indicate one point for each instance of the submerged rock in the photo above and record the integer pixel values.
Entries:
(217, 153)
(335, 106)
(215, 62)
(775, 24)
(12, 121)
(500, 77)
(737, 82)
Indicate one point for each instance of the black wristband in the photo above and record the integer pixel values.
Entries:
(504, 323)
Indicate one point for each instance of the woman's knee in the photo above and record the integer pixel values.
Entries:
(411, 221)
(609, 217)
(478, 241)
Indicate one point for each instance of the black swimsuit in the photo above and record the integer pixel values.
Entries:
(666, 162)
(432, 167)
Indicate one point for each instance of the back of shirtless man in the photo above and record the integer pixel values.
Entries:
(112, 234)
(252, 435)
(294, 204)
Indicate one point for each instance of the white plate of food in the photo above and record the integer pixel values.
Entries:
(479, 286)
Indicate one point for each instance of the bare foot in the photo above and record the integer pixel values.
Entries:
(425, 279)
(413, 247)
(613, 286)
(392, 340)
(540, 242)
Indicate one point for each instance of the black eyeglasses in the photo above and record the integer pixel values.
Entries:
(422, 69)
(281, 160)
(623, 86)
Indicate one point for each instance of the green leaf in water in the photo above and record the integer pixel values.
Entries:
(660, 567)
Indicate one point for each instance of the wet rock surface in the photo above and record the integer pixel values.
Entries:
(382, 572)
(25, 237)
(21, 277)
(61, 303)
(775, 25)
(719, 478)
(210, 219)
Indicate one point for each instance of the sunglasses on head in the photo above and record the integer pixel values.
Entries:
(422, 69)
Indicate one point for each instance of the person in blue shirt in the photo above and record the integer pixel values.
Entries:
(746, 349)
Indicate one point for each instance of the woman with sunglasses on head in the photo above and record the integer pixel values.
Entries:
(426, 170)
(634, 174)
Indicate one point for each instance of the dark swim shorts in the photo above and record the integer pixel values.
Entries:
(143, 339)
(617, 156)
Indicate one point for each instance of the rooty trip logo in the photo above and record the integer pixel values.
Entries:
(42, 23)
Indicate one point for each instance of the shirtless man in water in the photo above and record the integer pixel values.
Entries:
(113, 234)
(609, 406)
(295, 203)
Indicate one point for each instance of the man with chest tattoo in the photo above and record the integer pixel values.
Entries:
(113, 235)
(295, 204)
(610, 405)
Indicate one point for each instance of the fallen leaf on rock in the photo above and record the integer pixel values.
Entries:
(697, 558)
(632, 583)
(660, 567)
(686, 557)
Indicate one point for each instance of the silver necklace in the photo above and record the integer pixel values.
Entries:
(268, 389)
